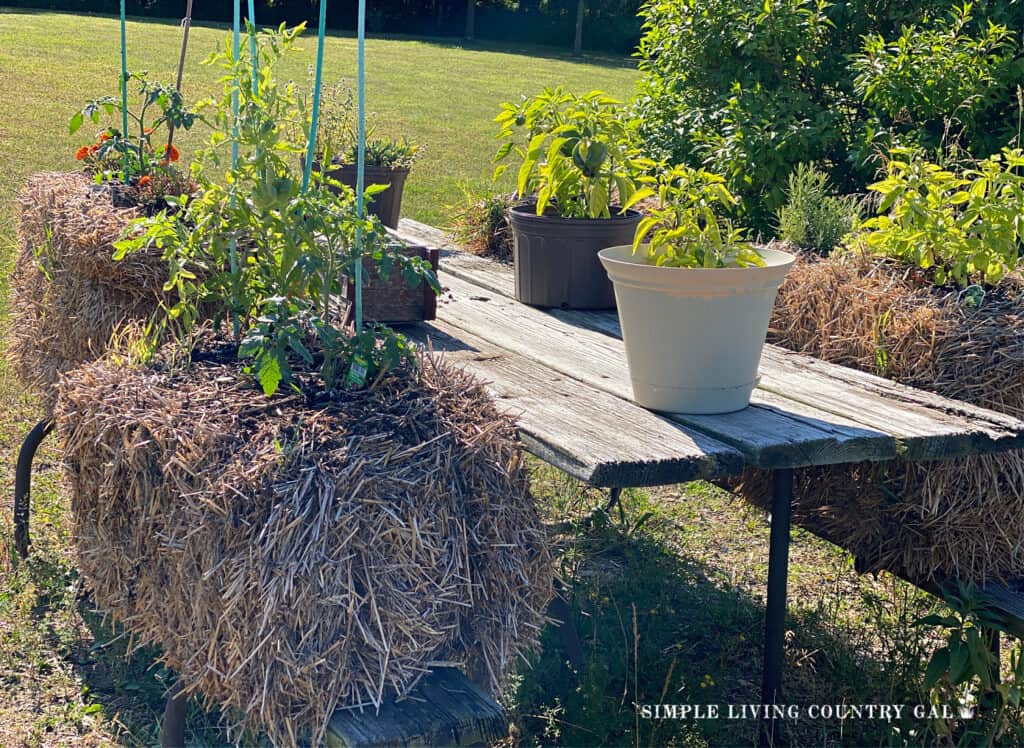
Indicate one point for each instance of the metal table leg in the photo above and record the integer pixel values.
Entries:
(614, 494)
(172, 732)
(23, 484)
(559, 611)
(775, 609)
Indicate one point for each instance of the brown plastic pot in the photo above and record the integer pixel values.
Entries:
(386, 205)
(556, 258)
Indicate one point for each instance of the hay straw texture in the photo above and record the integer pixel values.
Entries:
(67, 294)
(959, 518)
(290, 557)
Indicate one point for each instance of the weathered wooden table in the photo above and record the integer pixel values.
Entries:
(563, 373)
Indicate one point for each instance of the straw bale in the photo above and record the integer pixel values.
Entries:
(68, 295)
(960, 518)
(301, 553)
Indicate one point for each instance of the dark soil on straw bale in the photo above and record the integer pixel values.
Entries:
(299, 553)
(961, 517)
(68, 296)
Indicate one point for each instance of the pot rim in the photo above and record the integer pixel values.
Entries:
(336, 165)
(627, 271)
(526, 211)
(775, 259)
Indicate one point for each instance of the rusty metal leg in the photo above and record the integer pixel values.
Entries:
(172, 732)
(23, 484)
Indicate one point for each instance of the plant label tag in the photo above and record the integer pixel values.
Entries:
(356, 373)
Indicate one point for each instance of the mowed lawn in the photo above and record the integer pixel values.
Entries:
(437, 93)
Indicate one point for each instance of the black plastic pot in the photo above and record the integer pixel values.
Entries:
(556, 258)
(386, 205)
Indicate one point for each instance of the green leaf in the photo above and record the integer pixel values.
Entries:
(959, 656)
(937, 667)
(76, 122)
(597, 202)
(642, 194)
(269, 374)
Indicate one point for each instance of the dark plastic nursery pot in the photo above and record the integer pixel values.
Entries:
(556, 258)
(386, 205)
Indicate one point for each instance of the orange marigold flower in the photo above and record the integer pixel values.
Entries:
(82, 153)
(174, 155)
(143, 181)
(148, 131)
(104, 137)
(94, 149)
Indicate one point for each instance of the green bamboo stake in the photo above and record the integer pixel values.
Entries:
(315, 114)
(233, 245)
(360, 160)
(124, 92)
(252, 44)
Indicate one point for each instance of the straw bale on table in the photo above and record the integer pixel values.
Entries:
(68, 295)
(293, 555)
(961, 518)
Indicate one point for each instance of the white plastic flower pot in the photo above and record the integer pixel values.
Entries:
(693, 336)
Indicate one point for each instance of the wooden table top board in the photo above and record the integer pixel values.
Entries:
(564, 374)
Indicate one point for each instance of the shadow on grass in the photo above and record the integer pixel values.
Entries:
(123, 683)
(132, 683)
(657, 628)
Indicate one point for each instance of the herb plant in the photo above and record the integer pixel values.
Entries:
(964, 226)
(813, 218)
(337, 140)
(686, 229)
(158, 105)
(386, 154)
(265, 256)
(576, 156)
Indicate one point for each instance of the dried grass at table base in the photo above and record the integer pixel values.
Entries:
(68, 295)
(290, 558)
(961, 518)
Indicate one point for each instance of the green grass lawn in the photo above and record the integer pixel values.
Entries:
(668, 594)
(437, 93)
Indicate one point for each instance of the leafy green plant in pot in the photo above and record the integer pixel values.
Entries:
(694, 297)
(576, 169)
(387, 160)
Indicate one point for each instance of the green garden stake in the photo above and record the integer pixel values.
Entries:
(124, 92)
(233, 246)
(252, 45)
(315, 114)
(360, 160)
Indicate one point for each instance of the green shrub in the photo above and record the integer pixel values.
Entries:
(938, 75)
(813, 218)
(964, 226)
(750, 89)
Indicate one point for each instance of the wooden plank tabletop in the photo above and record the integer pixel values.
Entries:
(804, 411)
